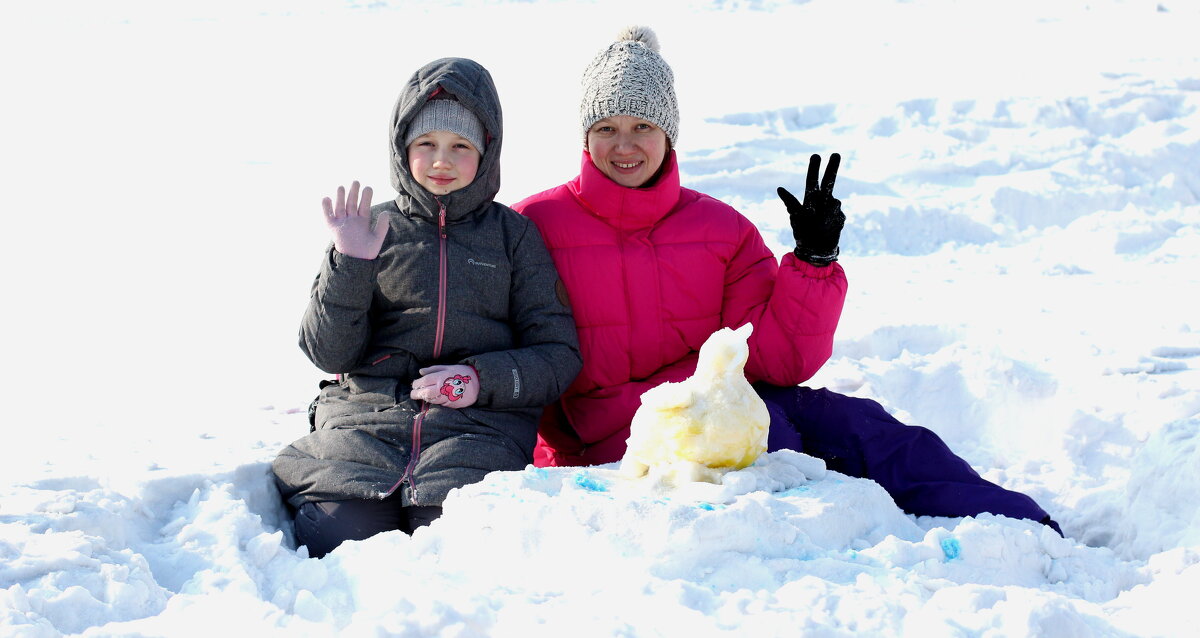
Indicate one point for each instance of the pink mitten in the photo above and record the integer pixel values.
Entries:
(349, 220)
(455, 386)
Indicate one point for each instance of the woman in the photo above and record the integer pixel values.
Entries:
(652, 269)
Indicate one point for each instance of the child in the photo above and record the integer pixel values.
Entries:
(441, 313)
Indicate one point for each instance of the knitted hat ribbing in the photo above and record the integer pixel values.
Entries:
(630, 78)
(446, 115)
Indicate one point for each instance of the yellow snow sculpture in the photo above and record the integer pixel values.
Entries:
(711, 421)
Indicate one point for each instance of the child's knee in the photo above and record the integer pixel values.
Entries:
(324, 525)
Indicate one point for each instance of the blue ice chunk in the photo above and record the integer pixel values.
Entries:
(706, 506)
(585, 480)
(951, 548)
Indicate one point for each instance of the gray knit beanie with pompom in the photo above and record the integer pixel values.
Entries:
(630, 78)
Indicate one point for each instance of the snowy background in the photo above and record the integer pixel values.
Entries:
(1023, 248)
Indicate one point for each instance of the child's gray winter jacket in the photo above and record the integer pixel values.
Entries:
(460, 280)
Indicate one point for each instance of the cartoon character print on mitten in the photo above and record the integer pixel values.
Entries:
(452, 387)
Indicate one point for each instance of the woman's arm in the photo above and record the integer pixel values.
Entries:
(795, 308)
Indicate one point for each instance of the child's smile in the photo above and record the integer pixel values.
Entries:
(443, 162)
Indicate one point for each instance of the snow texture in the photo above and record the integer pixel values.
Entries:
(1022, 245)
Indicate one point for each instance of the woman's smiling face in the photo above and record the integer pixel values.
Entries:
(627, 149)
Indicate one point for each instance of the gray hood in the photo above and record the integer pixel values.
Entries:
(472, 86)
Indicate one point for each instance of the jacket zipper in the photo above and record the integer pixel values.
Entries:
(441, 316)
(419, 419)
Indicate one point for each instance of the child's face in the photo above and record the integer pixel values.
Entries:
(443, 162)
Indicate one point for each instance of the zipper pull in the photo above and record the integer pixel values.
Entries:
(441, 218)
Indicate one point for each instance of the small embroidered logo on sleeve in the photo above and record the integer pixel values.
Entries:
(516, 384)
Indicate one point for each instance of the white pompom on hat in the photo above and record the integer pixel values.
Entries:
(630, 78)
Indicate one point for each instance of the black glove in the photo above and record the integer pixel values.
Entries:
(817, 223)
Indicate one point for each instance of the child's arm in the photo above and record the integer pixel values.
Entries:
(335, 331)
(539, 371)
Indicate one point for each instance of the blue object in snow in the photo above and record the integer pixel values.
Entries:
(584, 480)
(951, 548)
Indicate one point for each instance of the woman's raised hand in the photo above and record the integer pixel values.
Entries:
(817, 221)
(349, 219)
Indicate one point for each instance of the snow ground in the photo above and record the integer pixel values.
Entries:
(1024, 229)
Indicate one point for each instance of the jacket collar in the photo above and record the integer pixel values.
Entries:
(627, 208)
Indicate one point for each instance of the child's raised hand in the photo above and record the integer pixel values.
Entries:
(455, 386)
(350, 222)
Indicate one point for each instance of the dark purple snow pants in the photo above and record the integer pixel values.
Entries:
(859, 438)
(324, 525)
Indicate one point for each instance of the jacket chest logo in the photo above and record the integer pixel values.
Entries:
(480, 263)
